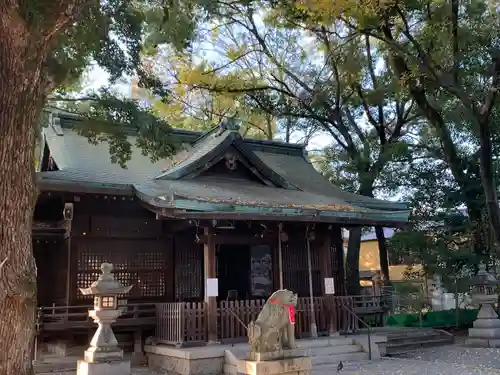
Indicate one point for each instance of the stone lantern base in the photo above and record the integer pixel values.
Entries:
(486, 329)
(103, 361)
(103, 368)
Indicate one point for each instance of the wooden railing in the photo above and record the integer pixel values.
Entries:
(303, 318)
(234, 316)
(180, 322)
(60, 318)
(185, 322)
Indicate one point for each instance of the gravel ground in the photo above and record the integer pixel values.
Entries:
(445, 360)
(409, 367)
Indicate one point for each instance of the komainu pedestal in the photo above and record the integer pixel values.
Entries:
(273, 350)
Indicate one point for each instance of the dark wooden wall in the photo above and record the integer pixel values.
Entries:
(295, 265)
(188, 260)
(162, 263)
(51, 260)
(121, 232)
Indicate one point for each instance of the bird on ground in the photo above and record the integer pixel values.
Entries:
(340, 367)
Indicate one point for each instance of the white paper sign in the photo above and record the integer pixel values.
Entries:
(329, 285)
(212, 287)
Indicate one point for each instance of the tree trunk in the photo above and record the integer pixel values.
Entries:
(488, 177)
(21, 101)
(383, 254)
(352, 262)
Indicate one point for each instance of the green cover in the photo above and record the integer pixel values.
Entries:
(435, 319)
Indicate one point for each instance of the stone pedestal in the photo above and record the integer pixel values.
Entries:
(279, 354)
(104, 368)
(283, 366)
(103, 356)
(486, 328)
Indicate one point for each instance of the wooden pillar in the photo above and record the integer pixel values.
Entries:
(169, 267)
(210, 273)
(314, 327)
(338, 259)
(280, 256)
(325, 255)
(68, 214)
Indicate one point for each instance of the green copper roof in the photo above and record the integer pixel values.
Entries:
(207, 195)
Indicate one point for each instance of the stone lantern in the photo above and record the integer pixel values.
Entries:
(486, 328)
(103, 355)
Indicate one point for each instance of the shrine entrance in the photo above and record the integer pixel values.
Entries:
(233, 271)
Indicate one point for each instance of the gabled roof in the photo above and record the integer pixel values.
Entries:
(290, 187)
(210, 150)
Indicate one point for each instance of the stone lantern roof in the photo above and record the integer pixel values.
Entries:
(105, 284)
(483, 277)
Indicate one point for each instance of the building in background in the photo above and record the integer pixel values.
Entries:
(369, 257)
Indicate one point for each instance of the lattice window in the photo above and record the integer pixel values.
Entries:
(295, 267)
(188, 269)
(141, 264)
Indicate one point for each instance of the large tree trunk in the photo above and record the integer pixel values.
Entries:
(21, 100)
(488, 177)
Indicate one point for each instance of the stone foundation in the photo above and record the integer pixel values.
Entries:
(287, 366)
(107, 368)
(486, 329)
(200, 361)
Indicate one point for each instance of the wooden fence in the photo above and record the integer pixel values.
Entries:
(61, 318)
(181, 322)
(185, 322)
(234, 316)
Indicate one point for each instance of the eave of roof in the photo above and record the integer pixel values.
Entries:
(216, 198)
(46, 181)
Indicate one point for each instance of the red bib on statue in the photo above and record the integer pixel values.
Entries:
(290, 308)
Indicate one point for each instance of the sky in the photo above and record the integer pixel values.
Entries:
(98, 78)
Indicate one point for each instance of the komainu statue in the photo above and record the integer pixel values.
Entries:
(274, 329)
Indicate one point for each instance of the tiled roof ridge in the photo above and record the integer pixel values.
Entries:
(191, 136)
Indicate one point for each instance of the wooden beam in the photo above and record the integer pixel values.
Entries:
(238, 239)
(268, 216)
(68, 214)
(173, 226)
(325, 255)
(210, 273)
(338, 259)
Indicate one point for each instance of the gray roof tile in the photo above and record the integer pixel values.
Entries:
(82, 162)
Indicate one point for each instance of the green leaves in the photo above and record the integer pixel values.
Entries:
(111, 118)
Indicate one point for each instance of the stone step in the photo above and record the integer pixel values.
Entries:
(321, 345)
(334, 359)
(325, 342)
(412, 338)
(52, 363)
(402, 348)
(331, 360)
(333, 350)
